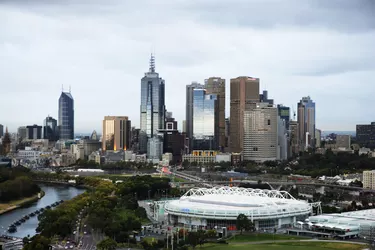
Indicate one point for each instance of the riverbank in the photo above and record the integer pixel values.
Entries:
(10, 206)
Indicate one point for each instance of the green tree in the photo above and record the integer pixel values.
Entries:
(242, 222)
(107, 244)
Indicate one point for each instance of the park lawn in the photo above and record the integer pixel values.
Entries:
(285, 246)
(264, 237)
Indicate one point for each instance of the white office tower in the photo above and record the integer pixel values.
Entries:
(260, 133)
(282, 135)
(155, 149)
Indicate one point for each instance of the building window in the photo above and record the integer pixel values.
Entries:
(269, 122)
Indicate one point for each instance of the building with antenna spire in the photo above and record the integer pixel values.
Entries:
(66, 116)
(152, 115)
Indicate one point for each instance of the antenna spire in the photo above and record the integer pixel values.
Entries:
(70, 88)
(62, 87)
(152, 63)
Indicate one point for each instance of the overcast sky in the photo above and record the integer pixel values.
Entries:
(101, 48)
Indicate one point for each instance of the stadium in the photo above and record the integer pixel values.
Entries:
(217, 207)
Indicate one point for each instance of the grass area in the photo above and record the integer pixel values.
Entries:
(264, 237)
(5, 207)
(177, 179)
(286, 246)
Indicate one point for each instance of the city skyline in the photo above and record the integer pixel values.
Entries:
(303, 55)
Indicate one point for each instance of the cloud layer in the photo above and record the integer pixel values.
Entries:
(101, 49)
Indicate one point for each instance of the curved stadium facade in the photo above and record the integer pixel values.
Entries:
(219, 207)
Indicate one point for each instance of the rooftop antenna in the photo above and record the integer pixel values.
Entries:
(62, 87)
(152, 63)
(69, 88)
(294, 114)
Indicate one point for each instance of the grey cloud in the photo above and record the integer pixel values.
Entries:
(342, 16)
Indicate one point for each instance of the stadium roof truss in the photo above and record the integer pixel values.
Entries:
(275, 194)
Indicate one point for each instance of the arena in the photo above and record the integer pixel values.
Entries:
(216, 207)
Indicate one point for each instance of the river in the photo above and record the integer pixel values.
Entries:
(53, 193)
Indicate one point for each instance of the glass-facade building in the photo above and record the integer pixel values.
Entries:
(50, 131)
(306, 122)
(152, 106)
(204, 120)
(66, 116)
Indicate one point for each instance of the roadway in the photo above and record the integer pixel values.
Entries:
(194, 180)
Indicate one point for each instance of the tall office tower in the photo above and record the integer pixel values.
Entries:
(50, 131)
(294, 138)
(282, 139)
(1, 130)
(306, 122)
(134, 141)
(204, 120)
(264, 97)
(183, 126)
(216, 86)
(152, 105)
(116, 131)
(22, 133)
(365, 135)
(189, 110)
(260, 141)
(33, 132)
(244, 94)
(66, 116)
(284, 113)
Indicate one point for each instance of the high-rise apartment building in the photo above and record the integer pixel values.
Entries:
(152, 105)
(260, 141)
(204, 120)
(33, 132)
(190, 109)
(318, 138)
(116, 133)
(66, 116)
(216, 86)
(1, 130)
(365, 135)
(50, 131)
(244, 94)
(306, 122)
(369, 179)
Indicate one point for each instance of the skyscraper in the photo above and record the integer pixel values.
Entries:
(152, 105)
(50, 131)
(216, 86)
(204, 120)
(261, 133)
(189, 110)
(284, 113)
(306, 122)
(66, 116)
(244, 94)
(116, 133)
(365, 135)
(34, 132)
(1, 130)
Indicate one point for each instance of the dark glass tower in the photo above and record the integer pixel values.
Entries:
(66, 116)
(50, 129)
(152, 106)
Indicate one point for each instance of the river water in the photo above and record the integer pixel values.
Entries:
(53, 193)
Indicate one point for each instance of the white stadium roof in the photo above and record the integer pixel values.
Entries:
(228, 202)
